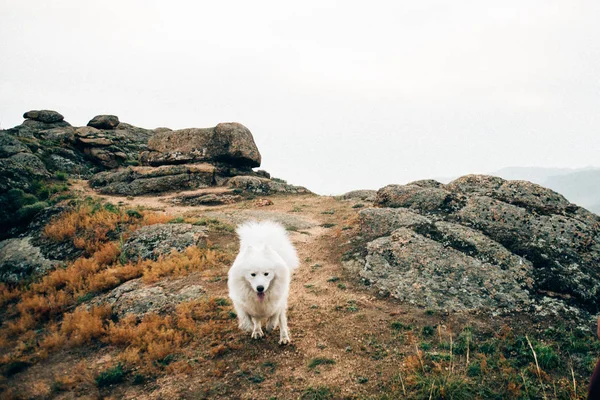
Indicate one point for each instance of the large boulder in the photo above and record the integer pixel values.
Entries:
(361, 194)
(47, 116)
(114, 147)
(104, 122)
(135, 181)
(19, 167)
(259, 185)
(20, 260)
(530, 240)
(138, 299)
(425, 272)
(155, 240)
(230, 143)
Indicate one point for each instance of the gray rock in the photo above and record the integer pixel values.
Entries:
(161, 129)
(10, 145)
(259, 185)
(112, 148)
(104, 122)
(20, 171)
(20, 260)
(155, 240)
(362, 194)
(230, 143)
(135, 181)
(47, 116)
(546, 243)
(136, 298)
(424, 272)
(208, 199)
(377, 222)
(424, 199)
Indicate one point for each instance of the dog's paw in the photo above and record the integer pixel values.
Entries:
(271, 325)
(257, 334)
(245, 327)
(285, 340)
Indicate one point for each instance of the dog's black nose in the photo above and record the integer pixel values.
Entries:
(260, 289)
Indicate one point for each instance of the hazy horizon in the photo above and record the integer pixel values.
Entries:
(338, 95)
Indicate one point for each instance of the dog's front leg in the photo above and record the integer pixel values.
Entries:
(257, 332)
(272, 322)
(284, 337)
(244, 319)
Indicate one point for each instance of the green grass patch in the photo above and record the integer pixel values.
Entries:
(111, 376)
(315, 362)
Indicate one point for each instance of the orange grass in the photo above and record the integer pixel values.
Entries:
(195, 326)
(191, 259)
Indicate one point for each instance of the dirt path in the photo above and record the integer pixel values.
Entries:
(330, 319)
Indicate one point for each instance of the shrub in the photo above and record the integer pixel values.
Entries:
(111, 376)
(61, 176)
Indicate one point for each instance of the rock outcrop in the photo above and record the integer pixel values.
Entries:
(20, 260)
(260, 185)
(229, 143)
(150, 242)
(480, 242)
(136, 298)
(135, 181)
(104, 122)
(46, 116)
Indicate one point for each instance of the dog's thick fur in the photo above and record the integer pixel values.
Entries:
(259, 279)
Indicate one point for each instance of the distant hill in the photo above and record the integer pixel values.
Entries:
(580, 186)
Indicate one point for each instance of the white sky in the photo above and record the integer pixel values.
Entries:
(339, 95)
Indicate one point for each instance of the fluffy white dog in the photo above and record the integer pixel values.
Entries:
(259, 279)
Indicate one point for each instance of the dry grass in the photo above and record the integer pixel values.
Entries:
(198, 326)
(190, 260)
(7, 294)
(87, 225)
(150, 218)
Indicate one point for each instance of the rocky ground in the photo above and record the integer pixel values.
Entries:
(117, 242)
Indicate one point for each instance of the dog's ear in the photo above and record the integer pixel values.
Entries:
(246, 251)
(272, 254)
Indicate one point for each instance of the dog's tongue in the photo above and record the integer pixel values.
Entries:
(261, 296)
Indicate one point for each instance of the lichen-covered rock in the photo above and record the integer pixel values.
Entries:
(362, 194)
(155, 240)
(424, 199)
(546, 243)
(377, 222)
(230, 143)
(20, 260)
(138, 299)
(114, 147)
(104, 122)
(47, 116)
(21, 169)
(135, 181)
(426, 273)
(208, 199)
(259, 185)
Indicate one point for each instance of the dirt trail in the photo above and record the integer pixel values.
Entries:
(330, 319)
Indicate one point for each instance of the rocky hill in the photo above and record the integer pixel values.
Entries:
(116, 241)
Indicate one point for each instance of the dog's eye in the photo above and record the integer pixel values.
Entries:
(266, 273)
(253, 274)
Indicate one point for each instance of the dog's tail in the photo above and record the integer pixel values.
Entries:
(273, 234)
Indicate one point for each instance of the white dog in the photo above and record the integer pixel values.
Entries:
(259, 279)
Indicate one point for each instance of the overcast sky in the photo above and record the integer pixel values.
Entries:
(339, 95)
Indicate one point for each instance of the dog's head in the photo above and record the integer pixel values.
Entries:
(260, 267)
